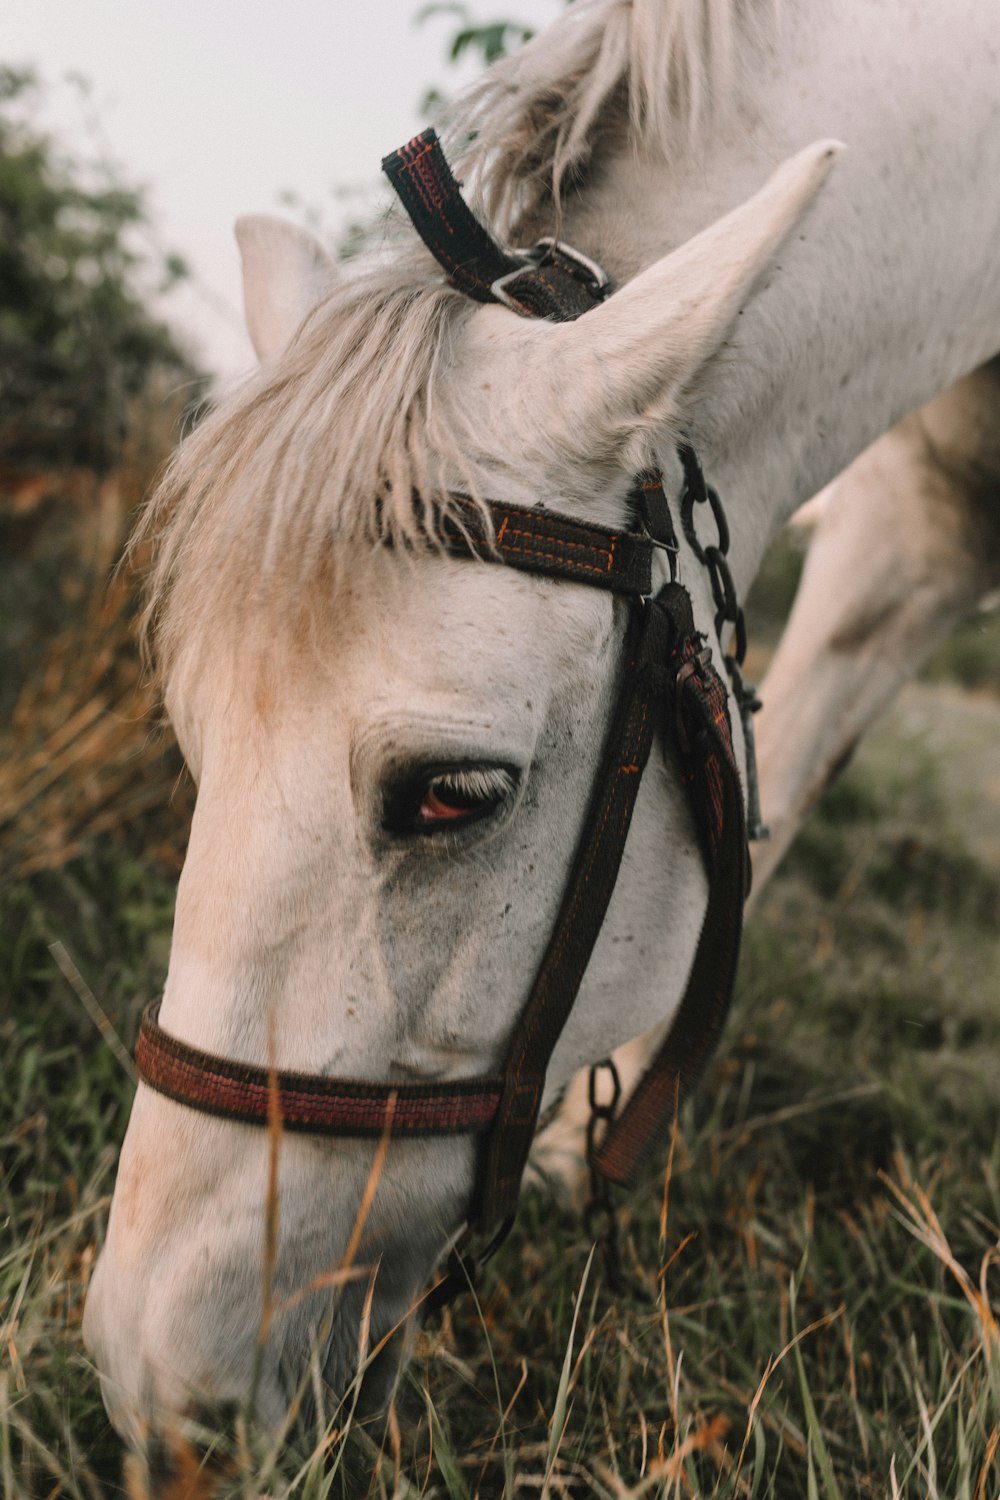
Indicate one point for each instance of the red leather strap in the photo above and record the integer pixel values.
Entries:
(307, 1101)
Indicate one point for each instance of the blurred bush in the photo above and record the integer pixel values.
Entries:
(92, 395)
(76, 340)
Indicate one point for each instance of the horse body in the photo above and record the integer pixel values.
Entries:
(784, 336)
(889, 294)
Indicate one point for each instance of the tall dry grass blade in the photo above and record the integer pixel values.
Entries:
(988, 1469)
(773, 1363)
(272, 1211)
(668, 1170)
(451, 1472)
(501, 1432)
(271, 1221)
(336, 1277)
(919, 1219)
(814, 1431)
(560, 1410)
(371, 1185)
(93, 1008)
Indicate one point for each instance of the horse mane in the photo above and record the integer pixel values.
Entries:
(341, 435)
(534, 118)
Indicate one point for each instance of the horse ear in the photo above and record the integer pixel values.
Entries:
(651, 338)
(285, 273)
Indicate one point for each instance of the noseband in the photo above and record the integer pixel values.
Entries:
(668, 684)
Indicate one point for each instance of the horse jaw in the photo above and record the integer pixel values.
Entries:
(286, 272)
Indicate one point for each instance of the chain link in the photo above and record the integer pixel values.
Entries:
(713, 558)
(600, 1217)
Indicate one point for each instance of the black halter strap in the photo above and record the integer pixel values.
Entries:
(548, 281)
(666, 672)
(668, 687)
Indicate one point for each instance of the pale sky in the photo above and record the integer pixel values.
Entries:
(220, 106)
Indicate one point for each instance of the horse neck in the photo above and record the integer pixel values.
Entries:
(843, 338)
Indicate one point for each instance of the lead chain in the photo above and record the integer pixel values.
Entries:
(600, 1217)
(727, 612)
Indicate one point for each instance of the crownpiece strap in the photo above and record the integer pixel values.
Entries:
(551, 280)
(420, 174)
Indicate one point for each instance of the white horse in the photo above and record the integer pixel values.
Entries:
(315, 679)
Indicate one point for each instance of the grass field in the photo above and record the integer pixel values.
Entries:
(818, 1273)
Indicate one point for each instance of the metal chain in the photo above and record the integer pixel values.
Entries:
(600, 1218)
(727, 612)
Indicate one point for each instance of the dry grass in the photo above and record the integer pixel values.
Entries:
(82, 755)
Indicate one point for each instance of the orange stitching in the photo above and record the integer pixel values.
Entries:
(531, 516)
(559, 541)
(556, 541)
(503, 530)
(554, 557)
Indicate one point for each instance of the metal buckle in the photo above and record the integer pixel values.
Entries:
(536, 256)
(597, 273)
(499, 288)
(672, 550)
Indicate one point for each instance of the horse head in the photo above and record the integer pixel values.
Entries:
(395, 750)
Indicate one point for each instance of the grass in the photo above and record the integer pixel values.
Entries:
(818, 1271)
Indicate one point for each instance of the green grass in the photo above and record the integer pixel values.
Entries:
(63, 1112)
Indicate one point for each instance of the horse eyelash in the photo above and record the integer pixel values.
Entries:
(482, 783)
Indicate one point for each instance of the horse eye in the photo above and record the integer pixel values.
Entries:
(448, 799)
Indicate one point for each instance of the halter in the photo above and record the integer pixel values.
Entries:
(668, 684)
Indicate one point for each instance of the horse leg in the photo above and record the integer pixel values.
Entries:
(905, 541)
(908, 540)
